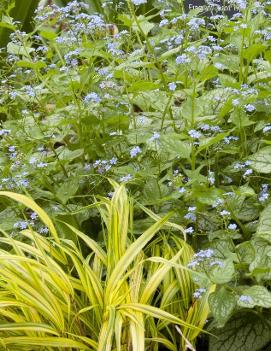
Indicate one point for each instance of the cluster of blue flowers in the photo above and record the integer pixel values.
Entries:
(102, 166)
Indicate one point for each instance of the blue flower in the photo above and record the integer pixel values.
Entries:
(190, 216)
(41, 164)
(228, 139)
(139, 2)
(204, 127)
(182, 190)
(126, 178)
(195, 23)
(263, 196)
(135, 151)
(4, 132)
(245, 299)
(21, 225)
(33, 215)
(11, 148)
(189, 230)
(172, 86)
(155, 136)
(202, 254)
(181, 59)
(32, 160)
(224, 213)
(217, 202)
(194, 134)
(43, 230)
(13, 94)
(219, 66)
(113, 48)
(23, 182)
(240, 3)
(248, 172)
(232, 226)
(29, 91)
(192, 208)
(211, 177)
(267, 128)
(92, 97)
(250, 108)
(113, 161)
(87, 167)
(198, 293)
(163, 23)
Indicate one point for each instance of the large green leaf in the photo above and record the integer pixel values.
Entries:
(246, 252)
(244, 332)
(256, 295)
(230, 62)
(261, 265)
(190, 110)
(174, 146)
(151, 100)
(153, 192)
(253, 51)
(222, 303)
(264, 226)
(142, 86)
(223, 274)
(66, 190)
(69, 155)
(144, 25)
(261, 160)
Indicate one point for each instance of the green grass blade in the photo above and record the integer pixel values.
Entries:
(156, 313)
(28, 327)
(43, 341)
(90, 243)
(131, 253)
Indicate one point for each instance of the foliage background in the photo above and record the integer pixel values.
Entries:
(175, 107)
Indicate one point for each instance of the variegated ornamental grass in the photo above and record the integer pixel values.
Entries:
(130, 294)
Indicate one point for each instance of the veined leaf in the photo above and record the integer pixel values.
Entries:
(172, 144)
(244, 332)
(223, 274)
(261, 160)
(264, 226)
(256, 295)
(222, 303)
